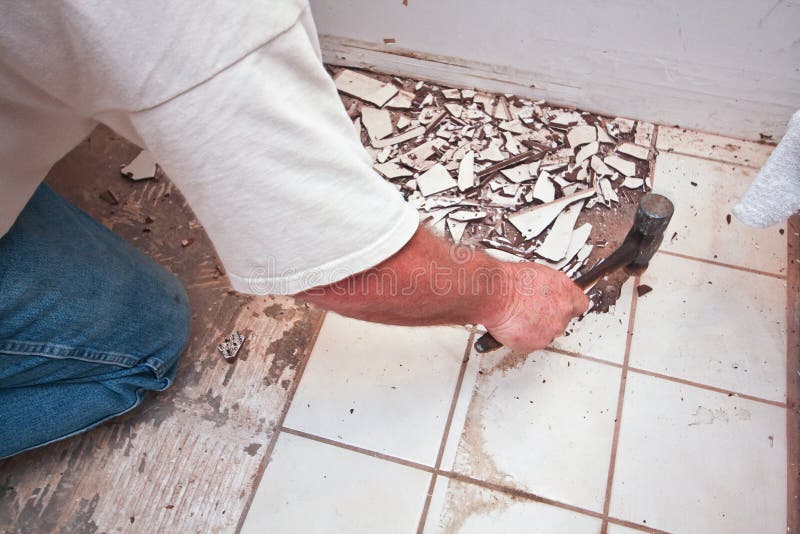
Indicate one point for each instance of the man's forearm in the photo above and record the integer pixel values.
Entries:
(427, 282)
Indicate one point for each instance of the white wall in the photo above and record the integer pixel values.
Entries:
(727, 66)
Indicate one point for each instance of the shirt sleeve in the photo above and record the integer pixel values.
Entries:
(274, 170)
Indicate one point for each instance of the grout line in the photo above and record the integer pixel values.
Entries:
(445, 433)
(515, 492)
(709, 158)
(636, 526)
(721, 264)
(669, 378)
(359, 450)
(279, 423)
(583, 357)
(623, 379)
(620, 401)
(793, 376)
(715, 389)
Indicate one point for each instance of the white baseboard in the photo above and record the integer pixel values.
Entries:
(700, 110)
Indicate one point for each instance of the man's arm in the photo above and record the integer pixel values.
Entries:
(429, 282)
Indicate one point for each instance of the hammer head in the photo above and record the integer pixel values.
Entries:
(650, 224)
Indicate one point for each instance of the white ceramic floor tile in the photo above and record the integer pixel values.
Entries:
(699, 227)
(541, 423)
(383, 388)
(712, 146)
(713, 325)
(311, 487)
(619, 529)
(692, 460)
(463, 508)
(601, 335)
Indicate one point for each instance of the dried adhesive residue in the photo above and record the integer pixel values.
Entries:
(465, 501)
(472, 448)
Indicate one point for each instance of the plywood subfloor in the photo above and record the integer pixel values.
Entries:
(187, 459)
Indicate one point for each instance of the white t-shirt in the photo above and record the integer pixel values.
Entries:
(232, 100)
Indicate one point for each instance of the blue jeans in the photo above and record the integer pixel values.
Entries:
(88, 325)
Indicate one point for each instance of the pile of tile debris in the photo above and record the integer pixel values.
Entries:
(521, 179)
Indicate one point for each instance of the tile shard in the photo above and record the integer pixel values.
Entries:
(532, 221)
(555, 245)
(451, 94)
(435, 180)
(456, 229)
(580, 135)
(577, 247)
(544, 189)
(518, 174)
(632, 183)
(636, 151)
(644, 133)
(402, 100)
(454, 109)
(628, 168)
(587, 151)
(363, 87)
(466, 172)
(392, 170)
(143, 167)
(403, 137)
(607, 191)
(230, 346)
(600, 168)
(378, 123)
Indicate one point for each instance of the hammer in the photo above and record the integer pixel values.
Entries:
(652, 217)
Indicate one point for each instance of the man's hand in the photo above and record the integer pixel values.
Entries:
(540, 304)
(430, 281)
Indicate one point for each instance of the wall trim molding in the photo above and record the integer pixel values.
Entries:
(642, 100)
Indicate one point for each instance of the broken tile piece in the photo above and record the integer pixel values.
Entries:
(456, 229)
(532, 221)
(580, 135)
(514, 126)
(363, 87)
(644, 133)
(378, 123)
(451, 94)
(628, 168)
(577, 247)
(454, 109)
(602, 136)
(587, 151)
(544, 189)
(636, 151)
(402, 100)
(502, 255)
(230, 346)
(607, 191)
(632, 183)
(402, 122)
(466, 171)
(555, 245)
(624, 125)
(403, 137)
(392, 170)
(518, 174)
(467, 215)
(435, 180)
(600, 168)
(512, 146)
(491, 153)
(142, 167)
